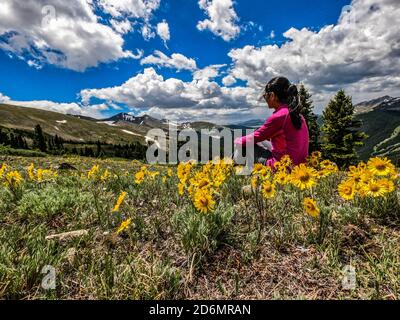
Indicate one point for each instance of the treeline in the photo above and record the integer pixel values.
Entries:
(55, 145)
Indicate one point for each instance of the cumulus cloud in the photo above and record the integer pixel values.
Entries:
(359, 53)
(69, 34)
(122, 26)
(64, 33)
(130, 8)
(163, 31)
(94, 111)
(3, 98)
(150, 91)
(222, 18)
(147, 32)
(218, 116)
(176, 61)
(209, 72)
(228, 81)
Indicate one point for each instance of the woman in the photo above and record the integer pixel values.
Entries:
(286, 129)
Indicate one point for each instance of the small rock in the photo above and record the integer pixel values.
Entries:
(67, 235)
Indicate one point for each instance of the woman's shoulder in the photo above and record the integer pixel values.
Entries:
(280, 114)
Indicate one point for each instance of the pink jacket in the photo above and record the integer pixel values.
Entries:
(284, 137)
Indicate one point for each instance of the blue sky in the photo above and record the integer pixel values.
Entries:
(34, 75)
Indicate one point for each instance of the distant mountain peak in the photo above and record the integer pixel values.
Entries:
(385, 103)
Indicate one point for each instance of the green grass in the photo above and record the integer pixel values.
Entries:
(4, 150)
(249, 248)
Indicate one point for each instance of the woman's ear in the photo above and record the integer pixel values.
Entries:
(274, 97)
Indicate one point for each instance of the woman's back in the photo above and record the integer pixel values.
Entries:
(289, 140)
(297, 141)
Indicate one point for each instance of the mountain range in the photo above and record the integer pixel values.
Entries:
(380, 121)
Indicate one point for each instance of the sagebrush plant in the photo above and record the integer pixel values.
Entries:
(197, 231)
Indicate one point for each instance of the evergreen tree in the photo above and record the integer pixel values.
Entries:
(3, 137)
(51, 144)
(340, 134)
(57, 142)
(311, 119)
(25, 144)
(39, 141)
(99, 152)
(20, 142)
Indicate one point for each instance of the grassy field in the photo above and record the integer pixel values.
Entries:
(197, 232)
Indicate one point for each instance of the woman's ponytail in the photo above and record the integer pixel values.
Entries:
(294, 106)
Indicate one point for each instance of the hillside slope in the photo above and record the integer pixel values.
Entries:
(66, 126)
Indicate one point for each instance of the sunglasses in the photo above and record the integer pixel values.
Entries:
(266, 95)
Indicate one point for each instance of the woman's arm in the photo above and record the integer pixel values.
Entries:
(266, 132)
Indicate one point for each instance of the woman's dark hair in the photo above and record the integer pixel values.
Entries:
(287, 93)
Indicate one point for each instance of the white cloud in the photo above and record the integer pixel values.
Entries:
(66, 33)
(228, 81)
(70, 108)
(147, 32)
(163, 31)
(150, 91)
(122, 26)
(176, 61)
(217, 116)
(208, 73)
(94, 111)
(130, 8)
(139, 54)
(3, 98)
(360, 53)
(272, 35)
(222, 18)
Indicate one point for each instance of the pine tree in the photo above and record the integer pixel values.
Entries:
(39, 141)
(99, 152)
(3, 137)
(340, 134)
(311, 119)
(25, 144)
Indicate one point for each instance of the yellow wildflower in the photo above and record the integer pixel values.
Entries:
(31, 172)
(139, 177)
(347, 190)
(93, 172)
(375, 189)
(105, 176)
(119, 201)
(303, 177)
(379, 166)
(281, 178)
(268, 189)
(3, 169)
(203, 201)
(124, 225)
(311, 208)
(13, 179)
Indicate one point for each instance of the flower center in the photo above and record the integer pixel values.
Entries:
(305, 177)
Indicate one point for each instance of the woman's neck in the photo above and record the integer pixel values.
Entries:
(280, 106)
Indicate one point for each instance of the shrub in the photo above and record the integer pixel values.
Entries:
(201, 234)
